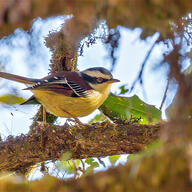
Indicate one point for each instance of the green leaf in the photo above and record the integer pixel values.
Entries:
(92, 162)
(113, 159)
(123, 89)
(95, 164)
(66, 156)
(124, 107)
(10, 99)
(67, 166)
(89, 161)
(97, 118)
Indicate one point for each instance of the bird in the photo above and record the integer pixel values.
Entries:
(69, 94)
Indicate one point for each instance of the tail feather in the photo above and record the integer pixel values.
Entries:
(18, 78)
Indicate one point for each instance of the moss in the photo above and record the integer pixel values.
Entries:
(167, 168)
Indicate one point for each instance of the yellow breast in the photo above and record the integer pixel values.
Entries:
(64, 106)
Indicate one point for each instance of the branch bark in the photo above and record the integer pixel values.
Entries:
(20, 13)
(49, 142)
(161, 170)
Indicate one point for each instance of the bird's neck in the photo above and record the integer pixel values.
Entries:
(103, 89)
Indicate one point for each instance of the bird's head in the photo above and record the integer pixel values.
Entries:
(99, 78)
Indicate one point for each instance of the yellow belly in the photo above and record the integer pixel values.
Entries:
(63, 106)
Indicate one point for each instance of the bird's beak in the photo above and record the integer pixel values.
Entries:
(114, 80)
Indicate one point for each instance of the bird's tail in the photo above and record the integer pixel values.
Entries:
(18, 78)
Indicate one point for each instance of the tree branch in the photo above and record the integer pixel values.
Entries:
(49, 142)
(162, 170)
(20, 13)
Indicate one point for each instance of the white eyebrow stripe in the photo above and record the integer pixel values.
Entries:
(97, 74)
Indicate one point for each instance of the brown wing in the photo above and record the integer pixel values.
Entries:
(66, 83)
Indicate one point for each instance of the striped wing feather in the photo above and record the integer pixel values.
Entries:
(66, 83)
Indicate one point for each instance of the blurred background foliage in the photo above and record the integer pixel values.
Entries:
(172, 19)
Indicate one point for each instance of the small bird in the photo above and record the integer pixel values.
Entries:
(69, 94)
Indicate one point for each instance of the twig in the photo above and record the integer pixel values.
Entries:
(83, 166)
(165, 94)
(101, 162)
(113, 45)
(77, 170)
(139, 77)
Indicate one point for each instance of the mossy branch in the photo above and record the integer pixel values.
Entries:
(20, 13)
(159, 170)
(49, 142)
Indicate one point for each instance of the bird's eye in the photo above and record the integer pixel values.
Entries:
(99, 79)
